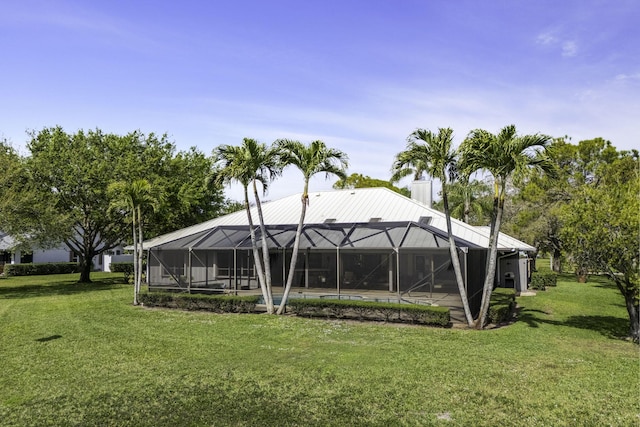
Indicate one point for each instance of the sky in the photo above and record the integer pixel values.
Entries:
(360, 75)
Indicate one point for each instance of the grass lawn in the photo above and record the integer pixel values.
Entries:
(83, 355)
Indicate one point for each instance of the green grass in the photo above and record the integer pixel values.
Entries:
(83, 355)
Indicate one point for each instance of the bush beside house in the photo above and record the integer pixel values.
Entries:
(41, 269)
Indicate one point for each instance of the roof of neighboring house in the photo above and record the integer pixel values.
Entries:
(364, 205)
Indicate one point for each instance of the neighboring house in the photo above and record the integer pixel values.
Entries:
(369, 241)
(10, 254)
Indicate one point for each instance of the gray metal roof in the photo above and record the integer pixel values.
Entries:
(348, 207)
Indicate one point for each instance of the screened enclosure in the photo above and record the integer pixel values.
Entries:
(398, 260)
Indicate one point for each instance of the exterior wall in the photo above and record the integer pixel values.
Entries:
(51, 255)
(513, 272)
(108, 259)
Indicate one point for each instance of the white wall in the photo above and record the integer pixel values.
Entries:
(108, 259)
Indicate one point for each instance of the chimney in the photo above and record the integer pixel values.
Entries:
(422, 191)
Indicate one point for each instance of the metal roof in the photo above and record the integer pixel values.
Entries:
(364, 205)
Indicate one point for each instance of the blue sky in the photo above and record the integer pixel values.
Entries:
(359, 75)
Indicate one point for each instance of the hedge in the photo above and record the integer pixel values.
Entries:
(41, 269)
(540, 281)
(215, 303)
(502, 304)
(122, 267)
(369, 310)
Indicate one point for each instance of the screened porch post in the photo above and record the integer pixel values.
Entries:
(338, 269)
(284, 267)
(397, 250)
(466, 281)
(398, 269)
(306, 269)
(206, 269)
(433, 277)
(189, 278)
(235, 269)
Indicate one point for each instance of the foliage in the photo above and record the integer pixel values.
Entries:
(540, 281)
(39, 269)
(504, 155)
(541, 198)
(503, 303)
(431, 153)
(601, 230)
(134, 198)
(62, 193)
(122, 267)
(249, 164)
(470, 201)
(68, 357)
(370, 310)
(356, 180)
(215, 303)
(310, 160)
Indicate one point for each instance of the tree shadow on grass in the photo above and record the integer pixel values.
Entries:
(609, 326)
(66, 287)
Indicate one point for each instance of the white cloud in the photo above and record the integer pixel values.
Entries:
(627, 77)
(569, 49)
(546, 38)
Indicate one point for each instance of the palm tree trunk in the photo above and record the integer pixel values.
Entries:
(455, 259)
(254, 246)
(135, 257)
(140, 251)
(265, 251)
(296, 246)
(493, 256)
(467, 203)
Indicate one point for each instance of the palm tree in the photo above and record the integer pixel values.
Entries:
(469, 200)
(502, 155)
(248, 164)
(134, 197)
(405, 165)
(433, 154)
(310, 160)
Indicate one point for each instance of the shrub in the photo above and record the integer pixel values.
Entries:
(369, 310)
(41, 269)
(122, 267)
(501, 306)
(215, 303)
(540, 281)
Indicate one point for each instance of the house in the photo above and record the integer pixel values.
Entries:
(10, 253)
(361, 243)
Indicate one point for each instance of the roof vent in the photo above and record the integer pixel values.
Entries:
(425, 220)
(375, 219)
(329, 220)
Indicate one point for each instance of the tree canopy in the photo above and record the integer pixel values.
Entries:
(64, 197)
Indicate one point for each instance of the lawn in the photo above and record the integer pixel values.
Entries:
(83, 355)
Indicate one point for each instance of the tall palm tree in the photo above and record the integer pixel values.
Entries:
(134, 197)
(502, 155)
(405, 165)
(469, 201)
(310, 160)
(248, 164)
(432, 153)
